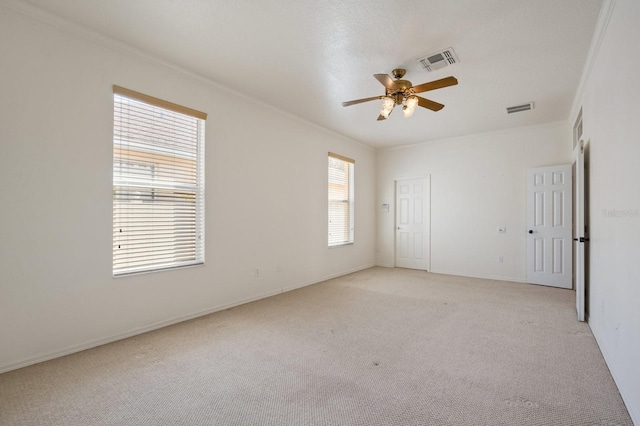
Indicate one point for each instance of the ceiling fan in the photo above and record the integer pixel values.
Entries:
(402, 92)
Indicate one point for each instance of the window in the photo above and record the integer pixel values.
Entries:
(577, 129)
(158, 184)
(340, 200)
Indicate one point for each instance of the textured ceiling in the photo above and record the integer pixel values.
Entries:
(307, 56)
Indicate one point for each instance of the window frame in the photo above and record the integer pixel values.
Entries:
(167, 159)
(334, 189)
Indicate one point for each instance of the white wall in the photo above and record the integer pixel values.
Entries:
(478, 183)
(266, 197)
(611, 118)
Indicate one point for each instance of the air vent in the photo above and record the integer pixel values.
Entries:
(520, 108)
(438, 60)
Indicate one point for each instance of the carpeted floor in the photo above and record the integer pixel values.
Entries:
(378, 347)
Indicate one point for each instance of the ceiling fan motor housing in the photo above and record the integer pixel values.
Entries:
(401, 87)
(398, 73)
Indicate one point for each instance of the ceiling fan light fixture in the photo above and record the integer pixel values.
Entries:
(402, 92)
(387, 106)
(410, 106)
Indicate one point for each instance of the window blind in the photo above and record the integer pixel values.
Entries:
(341, 200)
(158, 184)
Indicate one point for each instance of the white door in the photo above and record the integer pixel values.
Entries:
(579, 231)
(413, 223)
(549, 220)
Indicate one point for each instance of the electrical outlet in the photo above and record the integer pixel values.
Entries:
(257, 272)
(500, 259)
(278, 268)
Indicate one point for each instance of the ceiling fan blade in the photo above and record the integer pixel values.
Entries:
(437, 84)
(359, 101)
(426, 103)
(386, 81)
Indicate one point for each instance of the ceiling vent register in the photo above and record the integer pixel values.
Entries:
(438, 60)
(520, 108)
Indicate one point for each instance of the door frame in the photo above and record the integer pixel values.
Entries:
(426, 210)
(563, 279)
(580, 236)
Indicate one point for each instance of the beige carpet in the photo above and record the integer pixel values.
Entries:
(378, 347)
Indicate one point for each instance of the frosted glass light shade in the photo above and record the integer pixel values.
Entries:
(410, 107)
(387, 106)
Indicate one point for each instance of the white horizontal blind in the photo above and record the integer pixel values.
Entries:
(158, 184)
(341, 172)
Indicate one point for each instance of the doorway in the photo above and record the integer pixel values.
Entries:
(580, 220)
(549, 226)
(413, 223)
(579, 229)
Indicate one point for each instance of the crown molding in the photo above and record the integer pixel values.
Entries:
(37, 14)
(606, 11)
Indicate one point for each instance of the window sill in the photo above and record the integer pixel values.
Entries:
(150, 271)
(340, 245)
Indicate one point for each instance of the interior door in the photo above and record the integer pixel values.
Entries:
(413, 223)
(579, 237)
(549, 222)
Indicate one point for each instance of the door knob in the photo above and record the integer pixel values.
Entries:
(531, 231)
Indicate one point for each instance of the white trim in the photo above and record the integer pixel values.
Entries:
(476, 135)
(486, 277)
(330, 277)
(610, 361)
(70, 27)
(594, 49)
(161, 324)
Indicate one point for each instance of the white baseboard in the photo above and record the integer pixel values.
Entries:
(484, 277)
(632, 408)
(160, 324)
(330, 277)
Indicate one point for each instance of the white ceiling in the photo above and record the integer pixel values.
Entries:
(307, 56)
